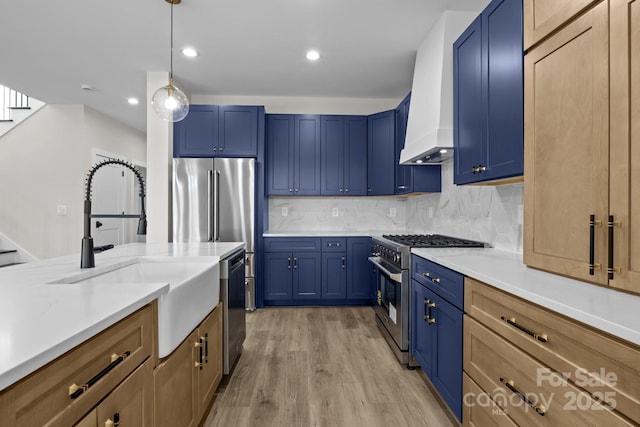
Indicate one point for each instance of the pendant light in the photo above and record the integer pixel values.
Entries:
(169, 102)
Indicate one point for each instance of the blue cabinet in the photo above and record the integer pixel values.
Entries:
(488, 96)
(327, 271)
(381, 154)
(343, 155)
(218, 131)
(437, 328)
(292, 269)
(359, 282)
(293, 155)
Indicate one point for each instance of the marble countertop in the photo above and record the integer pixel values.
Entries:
(40, 321)
(605, 309)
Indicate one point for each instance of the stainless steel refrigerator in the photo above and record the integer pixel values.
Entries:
(214, 200)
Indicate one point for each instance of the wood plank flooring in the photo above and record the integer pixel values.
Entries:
(321, 366)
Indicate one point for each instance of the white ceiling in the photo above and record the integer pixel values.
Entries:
(48, 49)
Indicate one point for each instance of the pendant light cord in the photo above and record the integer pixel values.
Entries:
(171, 55)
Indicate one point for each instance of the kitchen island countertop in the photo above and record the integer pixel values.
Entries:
(602, 308)
(41, 321)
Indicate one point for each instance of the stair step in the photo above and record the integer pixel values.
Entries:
(7, 251)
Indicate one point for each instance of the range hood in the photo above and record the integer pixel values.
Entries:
(429, 137)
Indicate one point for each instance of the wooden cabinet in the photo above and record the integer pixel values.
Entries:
(436, 328)
(218, 131)
(513, 346)
(381, 154)
(542, 17)
(128, 405)
(343, 155)
(50, 396)
(579, 135)
(326, 271)
(293, 155)
(186, 380)
(488, 96)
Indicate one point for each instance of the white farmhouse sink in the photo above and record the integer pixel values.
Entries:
(194, 290)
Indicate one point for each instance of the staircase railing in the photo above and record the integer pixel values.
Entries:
(12, 100)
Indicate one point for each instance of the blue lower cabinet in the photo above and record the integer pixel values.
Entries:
(334, 275)
(306, 275)
(436, 343)
(314, 271)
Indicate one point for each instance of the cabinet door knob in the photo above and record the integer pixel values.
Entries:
(346, 190)
(341, 190)
(215, 148)
(401, 187)
(291, 190)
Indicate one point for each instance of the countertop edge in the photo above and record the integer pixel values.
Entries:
(19, 372)
(543, 297)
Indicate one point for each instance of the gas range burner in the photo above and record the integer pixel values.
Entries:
(433, 241)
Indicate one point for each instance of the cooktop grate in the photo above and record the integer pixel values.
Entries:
(433, 241)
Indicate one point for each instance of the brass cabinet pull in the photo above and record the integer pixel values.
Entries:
(610, 268)
(428, 305)
(289, 266)
(113, 423)
(512, 322)
(436, 280)
(478, 169)
(295, 263)
(540, 409)
(75, 390)
(593, 223)
(199, 345)
(343, 264)
(426, 274)
(206, 348)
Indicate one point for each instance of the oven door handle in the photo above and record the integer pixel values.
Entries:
(396, 277)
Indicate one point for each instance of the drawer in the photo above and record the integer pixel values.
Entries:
(479, 410)
(542, 17)
(591, 359)
(44, 397)
(334, 244)
(447, 283)
(288, 244)
(525, 389)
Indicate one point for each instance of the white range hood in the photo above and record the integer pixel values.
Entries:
(430, 125)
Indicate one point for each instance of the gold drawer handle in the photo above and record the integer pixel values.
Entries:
(540, 409)
(512, 321)
(436, 280)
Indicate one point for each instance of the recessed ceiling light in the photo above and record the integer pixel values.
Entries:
(313, 55)
(133, 101)
(190, 52)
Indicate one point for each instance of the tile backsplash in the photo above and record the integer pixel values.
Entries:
(489, 213)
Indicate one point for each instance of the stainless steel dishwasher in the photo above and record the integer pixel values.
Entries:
(232, 291)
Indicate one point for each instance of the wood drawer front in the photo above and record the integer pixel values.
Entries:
(334, 244)
(43, 397)
(570, 348)
(542, 17)
(447, 283)
(507, 374)
(478, 410)
(288, 244)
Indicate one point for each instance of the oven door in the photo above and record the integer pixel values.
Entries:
(393, 301)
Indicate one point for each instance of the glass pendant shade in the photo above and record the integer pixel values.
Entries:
(170, 103)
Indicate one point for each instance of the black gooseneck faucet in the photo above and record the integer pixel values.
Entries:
(87, 259)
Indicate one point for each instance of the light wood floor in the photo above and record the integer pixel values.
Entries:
(321, 366)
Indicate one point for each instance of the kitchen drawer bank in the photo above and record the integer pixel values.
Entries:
(317, 271)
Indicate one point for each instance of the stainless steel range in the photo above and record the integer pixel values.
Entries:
(391, 255)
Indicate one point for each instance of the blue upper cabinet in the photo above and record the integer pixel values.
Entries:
(197, 134)
(218, 131)
(404, 181)
(488, 96)
(381, 154)
(293, 155)
(343, 155)
(306, 154)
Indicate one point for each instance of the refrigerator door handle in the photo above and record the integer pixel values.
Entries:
(209, 205)
(216, 205)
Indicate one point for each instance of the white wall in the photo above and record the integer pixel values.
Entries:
(43, 164)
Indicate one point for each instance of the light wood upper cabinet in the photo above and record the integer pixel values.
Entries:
(582, 152)
(566, 147)
(541, 17)
(625, 143)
